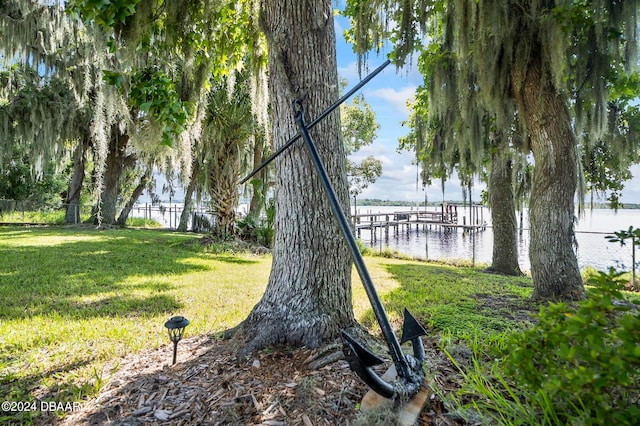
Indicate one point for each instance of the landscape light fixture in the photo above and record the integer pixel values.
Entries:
(176, 326)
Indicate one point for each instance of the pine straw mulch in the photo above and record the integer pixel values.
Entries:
(211, 385)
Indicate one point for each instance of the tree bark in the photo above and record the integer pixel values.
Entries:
(72, 202)
(137, 192)
(223, 169)
(116, 162)
(503, 214)
(554, 266)
(258, 183)
(188, 196)
(308, 297)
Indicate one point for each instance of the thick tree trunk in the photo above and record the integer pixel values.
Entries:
(116, 162)
(554, 266)
(137, 192)
(308, 298)
(503, 215)
(109, 194)
(72, 202)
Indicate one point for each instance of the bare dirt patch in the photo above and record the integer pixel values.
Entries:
(513, 308)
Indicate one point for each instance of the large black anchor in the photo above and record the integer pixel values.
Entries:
(361, 360)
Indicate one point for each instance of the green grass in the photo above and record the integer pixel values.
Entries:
(451, 300)
(73, 300)
(56, 217)
(49, 217)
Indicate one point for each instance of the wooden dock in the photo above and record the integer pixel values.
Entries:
(399, 222)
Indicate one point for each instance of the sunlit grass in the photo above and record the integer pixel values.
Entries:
(50, 217)
(446, 298)
(74, 300)
(383, 281)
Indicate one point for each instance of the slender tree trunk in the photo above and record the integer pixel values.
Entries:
(72, 214)
(308, 297)
(188, 196)
(137, 192)
(503, 214)
(257, 197)
(554, 266)
(109, 194)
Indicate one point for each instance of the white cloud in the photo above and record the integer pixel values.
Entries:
(631, 192)
(384, 151)
(350, 72)
(398, 175)
(400, 181)
(397, 97)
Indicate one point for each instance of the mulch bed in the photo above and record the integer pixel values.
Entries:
(211, 385)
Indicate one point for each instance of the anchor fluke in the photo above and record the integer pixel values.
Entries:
(366, 357)
(411, 328)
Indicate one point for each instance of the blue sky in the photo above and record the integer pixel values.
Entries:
(387, 94)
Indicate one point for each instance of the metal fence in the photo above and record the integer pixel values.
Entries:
(201, 219)
(166, 215)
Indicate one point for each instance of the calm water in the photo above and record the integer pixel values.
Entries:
(435, 243)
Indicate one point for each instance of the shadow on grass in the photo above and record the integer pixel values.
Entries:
(15, 389)
(454, 299)
(105, 307)
(236, 260)
(140, 305)
(90, 273)
(69, 299)
(31, 381)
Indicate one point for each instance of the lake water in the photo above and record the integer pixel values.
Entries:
(437, 244)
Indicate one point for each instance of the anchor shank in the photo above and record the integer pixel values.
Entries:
(318, 119)
(394, 346)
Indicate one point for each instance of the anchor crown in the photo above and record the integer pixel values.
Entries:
(361, 359)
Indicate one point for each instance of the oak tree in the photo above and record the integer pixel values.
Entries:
(555, 60)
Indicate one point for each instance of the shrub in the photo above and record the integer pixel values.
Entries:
(622, 237)
(584, 359)
(266, 230)
(259, 230)
(364, 250)
(140, 222)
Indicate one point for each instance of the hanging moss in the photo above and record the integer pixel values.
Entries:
(474, 55)
(188, 42)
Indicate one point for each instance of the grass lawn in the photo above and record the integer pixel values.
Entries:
(74, 299)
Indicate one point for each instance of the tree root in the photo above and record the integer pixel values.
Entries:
(515, 273)
(332, 352)
(233, 331)
(325, 356)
